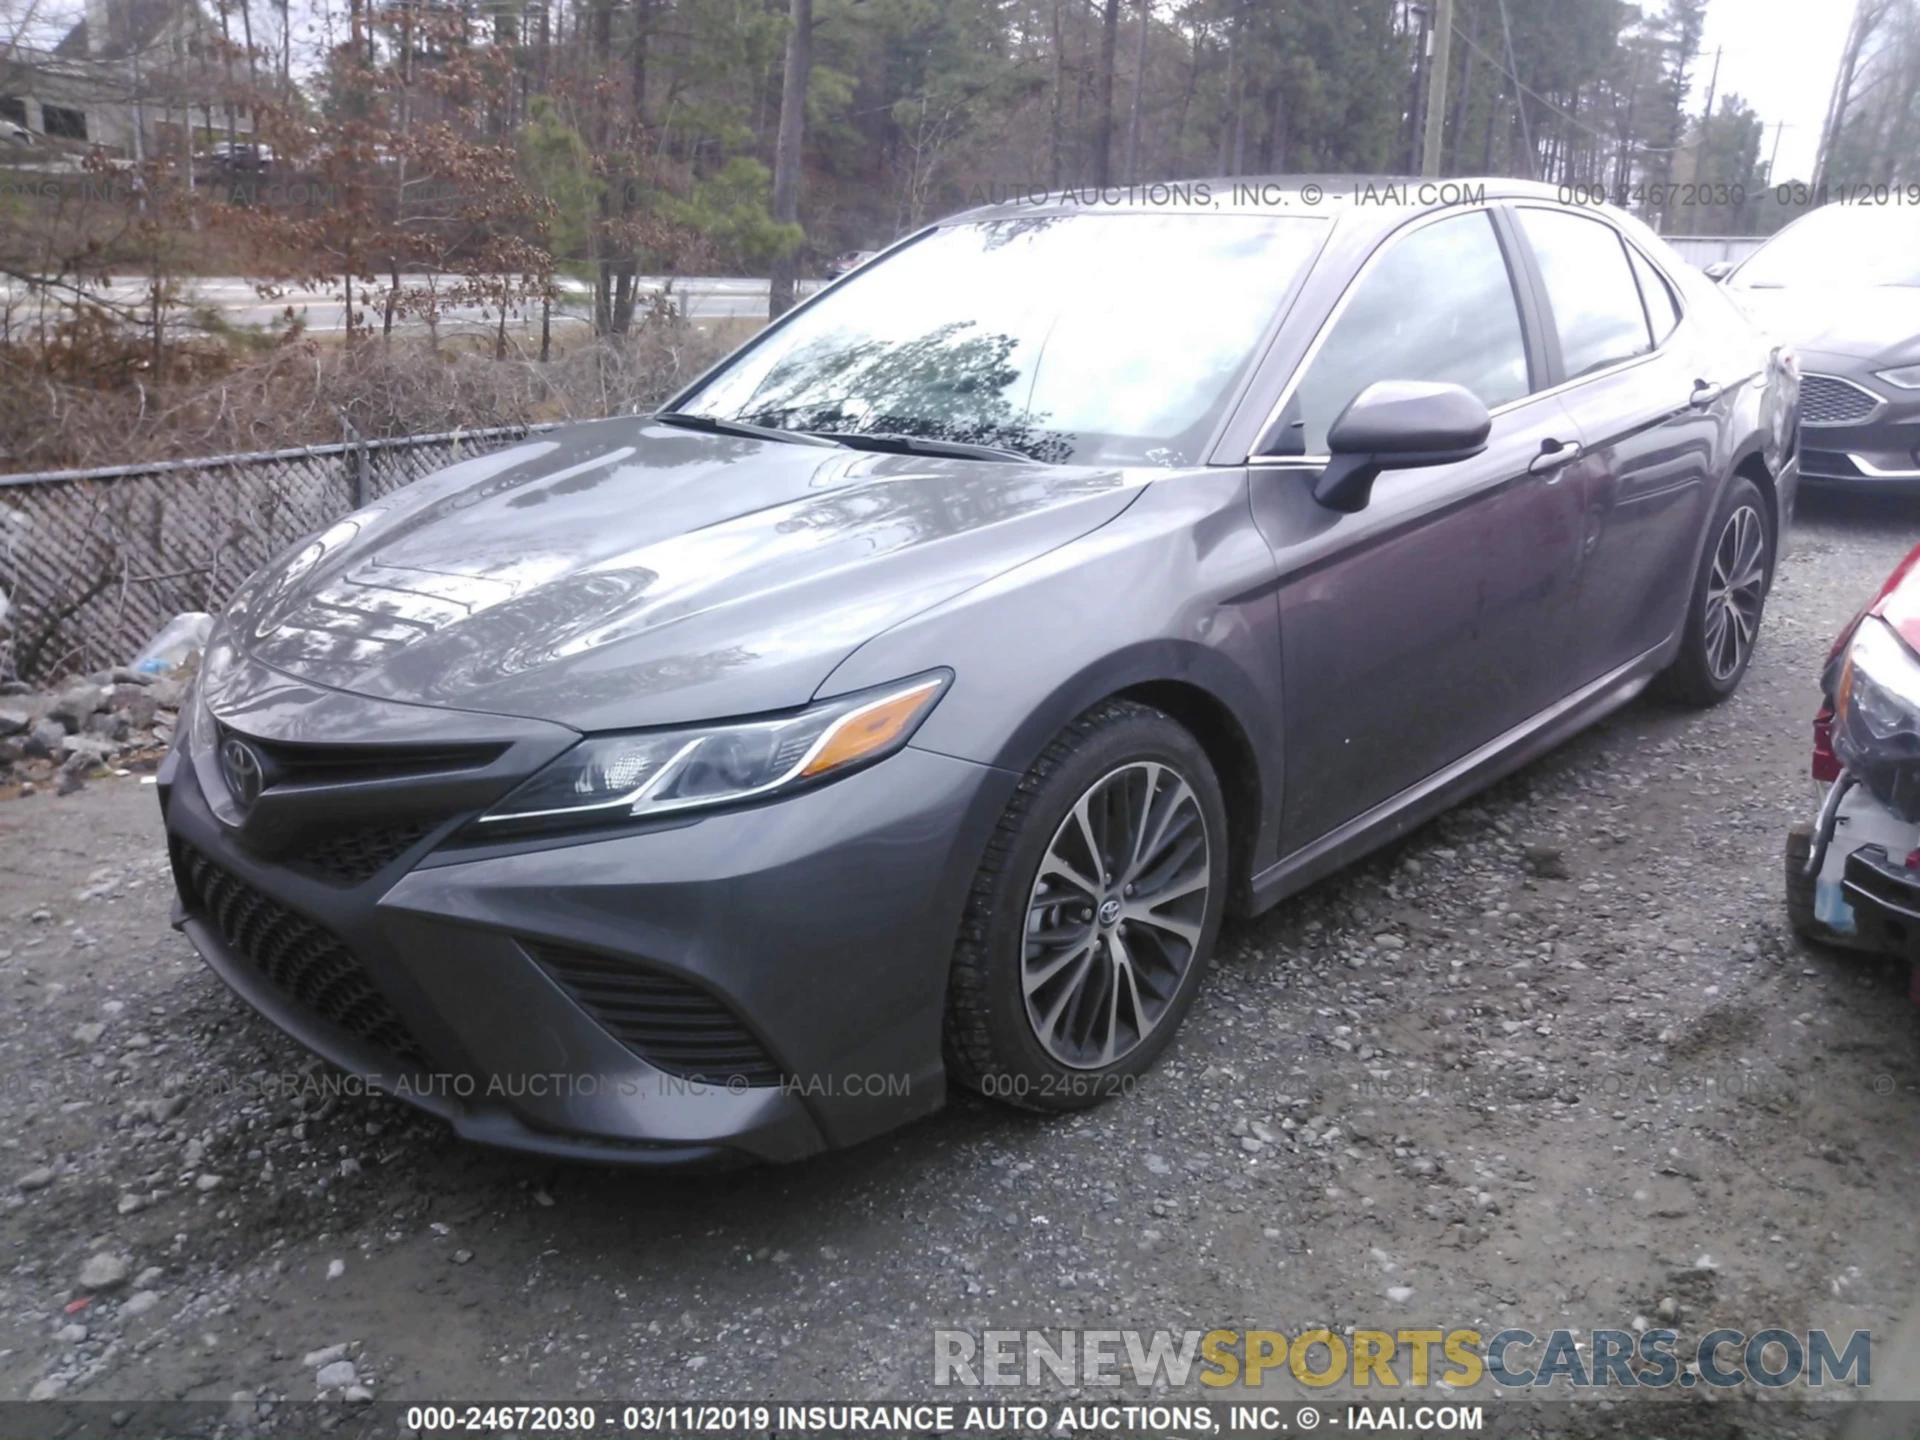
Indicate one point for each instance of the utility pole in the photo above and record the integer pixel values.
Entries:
(1713, 83)
(1422, 68)
(1773, 156)
(1139, 74)
(1439, 40)
(1701, 155)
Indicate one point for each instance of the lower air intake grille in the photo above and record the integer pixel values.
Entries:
(1829, 400)
(352, 858)
(1829, 465)
(306, 962)
(672, 1025)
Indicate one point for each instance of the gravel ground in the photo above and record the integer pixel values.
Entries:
(1526, 1068)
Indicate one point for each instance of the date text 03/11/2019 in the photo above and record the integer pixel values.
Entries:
(1114, 1417)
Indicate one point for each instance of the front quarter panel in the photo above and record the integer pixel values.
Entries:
(1760, 418)
(1779, 418)
(1178, 588)
(1761, 410)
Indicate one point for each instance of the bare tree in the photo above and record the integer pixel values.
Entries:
(786, 150)
(1103, 100)
(1866, 19)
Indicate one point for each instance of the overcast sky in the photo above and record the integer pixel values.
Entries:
(1780, 56)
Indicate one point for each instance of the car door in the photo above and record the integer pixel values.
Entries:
(1429, 623)
(1633, 377)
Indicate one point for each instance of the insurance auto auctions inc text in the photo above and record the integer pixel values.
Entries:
(1453, 1360)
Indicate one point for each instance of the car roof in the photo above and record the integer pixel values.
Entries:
(1369, 201)
(1852, 211)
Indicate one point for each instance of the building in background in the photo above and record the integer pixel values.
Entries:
(133, 78)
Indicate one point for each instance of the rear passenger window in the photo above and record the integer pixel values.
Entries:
(1663, 312)
(1438, 304)
(1591, 289)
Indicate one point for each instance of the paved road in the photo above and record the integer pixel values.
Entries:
(1527, 1068)
(238, 302)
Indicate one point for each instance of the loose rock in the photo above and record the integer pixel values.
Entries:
(104, 1272)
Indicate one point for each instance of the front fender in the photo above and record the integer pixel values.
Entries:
(1180, 588)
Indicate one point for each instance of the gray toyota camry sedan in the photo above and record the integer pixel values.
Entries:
(908, 701)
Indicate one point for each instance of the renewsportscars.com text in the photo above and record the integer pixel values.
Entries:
(1457, 1359)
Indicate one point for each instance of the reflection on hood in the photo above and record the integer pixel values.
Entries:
(625, 574)
(1862, 321)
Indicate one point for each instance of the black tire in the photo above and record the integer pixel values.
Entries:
(993, 1039)
(1801, 885)
(1701, 674)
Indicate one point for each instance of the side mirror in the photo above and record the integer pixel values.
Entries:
(1719, 270)
(1398, 425)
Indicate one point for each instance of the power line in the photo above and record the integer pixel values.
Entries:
(1596, 132)
(1526, 132)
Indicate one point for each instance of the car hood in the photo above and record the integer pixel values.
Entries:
(1867, 322)
(625, 573)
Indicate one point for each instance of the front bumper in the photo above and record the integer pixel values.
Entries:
(1864, 895)
(762, 983)
(1884, 896)
(1878, 450)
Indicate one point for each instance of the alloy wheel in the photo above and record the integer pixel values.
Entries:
(1735, 589)
(1115, 914)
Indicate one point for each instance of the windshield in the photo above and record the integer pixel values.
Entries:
(1842, 245)
(1087, 338)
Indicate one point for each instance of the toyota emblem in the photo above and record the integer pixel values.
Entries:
(240, 763)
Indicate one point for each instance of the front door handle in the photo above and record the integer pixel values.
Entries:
(1705, 392)
(1553, 455)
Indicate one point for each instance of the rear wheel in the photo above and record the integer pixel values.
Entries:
(1729, 593)
(1093, 915)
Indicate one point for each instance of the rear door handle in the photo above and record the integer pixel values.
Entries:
(1553, 455)
(1705, 392)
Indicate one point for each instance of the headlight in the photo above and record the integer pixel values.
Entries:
(1876, 717)
(655, 772)
(200, 731)
(1907, 377)
(196, 722)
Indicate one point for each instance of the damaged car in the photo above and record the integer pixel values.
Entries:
(1853, 871)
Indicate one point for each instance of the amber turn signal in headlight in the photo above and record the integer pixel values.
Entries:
(874, 728)
(650, 772)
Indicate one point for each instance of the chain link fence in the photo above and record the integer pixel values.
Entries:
(92, 562)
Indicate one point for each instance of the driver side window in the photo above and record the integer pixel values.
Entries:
(1437, 305)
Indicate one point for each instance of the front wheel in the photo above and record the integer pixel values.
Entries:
(1093, 915)
(1729, 593)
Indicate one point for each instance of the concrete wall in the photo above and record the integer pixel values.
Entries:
(1703, 250)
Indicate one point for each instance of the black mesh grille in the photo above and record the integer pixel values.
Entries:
(672, 1025)
(350, 859)
(306, 962)
(1828, 400)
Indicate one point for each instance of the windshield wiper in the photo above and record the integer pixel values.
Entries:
(713, 425)
(918, 445)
